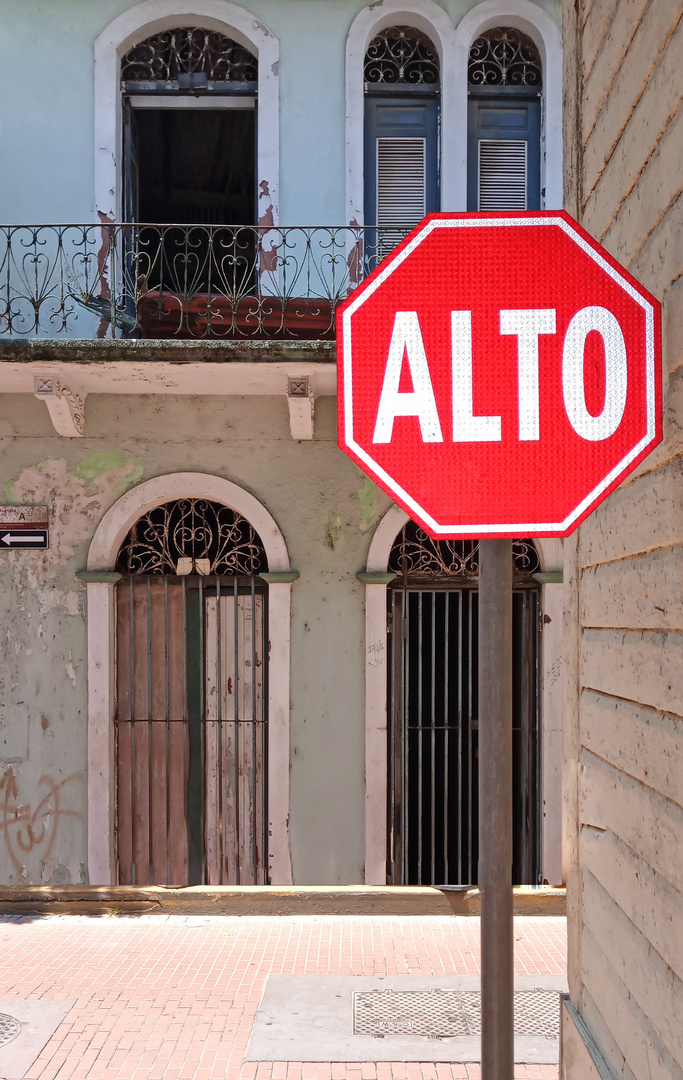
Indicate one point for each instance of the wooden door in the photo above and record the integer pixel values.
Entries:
(191, 731)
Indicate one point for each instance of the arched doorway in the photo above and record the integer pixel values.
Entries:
(191, 698)
(402, 117)
(432, 718)
(189, 140)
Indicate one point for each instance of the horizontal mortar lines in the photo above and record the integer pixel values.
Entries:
(634, 104)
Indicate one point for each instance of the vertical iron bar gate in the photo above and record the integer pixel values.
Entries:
(433, 811)
(191, 730)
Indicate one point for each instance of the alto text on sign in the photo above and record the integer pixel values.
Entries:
(407, 346)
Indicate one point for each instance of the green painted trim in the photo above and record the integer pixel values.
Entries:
(99, 577)
(283, 578)
(550, 577)
(376, 579)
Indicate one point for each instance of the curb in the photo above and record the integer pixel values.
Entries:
(265, 900)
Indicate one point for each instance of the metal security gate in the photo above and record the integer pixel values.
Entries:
(191, 716)
(433, 811)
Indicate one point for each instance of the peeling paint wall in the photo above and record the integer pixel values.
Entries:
(43, 703)
(624, 571)
(324, 507)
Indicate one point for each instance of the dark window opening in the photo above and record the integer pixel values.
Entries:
(189, 56)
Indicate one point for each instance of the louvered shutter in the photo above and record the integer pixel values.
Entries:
(502, 175)
(401, 188)
(503, 149)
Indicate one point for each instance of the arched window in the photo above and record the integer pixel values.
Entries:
(504, 122)
(189, 129)
(433, 714)
(402, 95)
(191, 701)
(188, 57)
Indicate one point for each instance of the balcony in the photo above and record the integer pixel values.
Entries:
(181, 282)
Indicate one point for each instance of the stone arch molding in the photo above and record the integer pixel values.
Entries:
(101, 578)
(376, 653)
(148, 18)
(119, 518)
(453, 44)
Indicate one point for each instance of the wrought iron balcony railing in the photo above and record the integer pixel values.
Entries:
(181, 281)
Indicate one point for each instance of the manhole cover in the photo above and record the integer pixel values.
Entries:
(445, 1014)
(9, 1028)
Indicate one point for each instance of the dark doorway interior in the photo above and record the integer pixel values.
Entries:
(191, 167)
(196, 166)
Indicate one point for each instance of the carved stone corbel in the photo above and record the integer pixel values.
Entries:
(300, 404)
(66, 408)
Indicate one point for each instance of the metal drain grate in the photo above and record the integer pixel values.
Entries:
(9, 1028)
(445, 1014)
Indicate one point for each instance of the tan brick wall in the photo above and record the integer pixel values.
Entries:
(624, 630)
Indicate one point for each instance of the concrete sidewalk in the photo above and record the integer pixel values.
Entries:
(173, 997)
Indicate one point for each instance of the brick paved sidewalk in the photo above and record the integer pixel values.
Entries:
(173, 997)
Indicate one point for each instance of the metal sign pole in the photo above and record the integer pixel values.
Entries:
(495, 813)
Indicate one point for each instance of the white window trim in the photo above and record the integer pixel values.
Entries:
(151, 17)
(453, 45)
(376, 719)
(104, 549)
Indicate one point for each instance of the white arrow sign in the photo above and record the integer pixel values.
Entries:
(37, 537)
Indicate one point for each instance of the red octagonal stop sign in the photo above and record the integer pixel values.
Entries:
(499, 375)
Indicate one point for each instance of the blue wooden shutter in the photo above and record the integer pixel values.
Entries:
(503, 151)
(401, 163)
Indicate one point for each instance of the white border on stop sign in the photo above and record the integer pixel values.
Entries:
(533, 528)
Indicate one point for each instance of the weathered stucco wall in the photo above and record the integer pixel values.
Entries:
(50, 130)
(325, 509)
(624, 572)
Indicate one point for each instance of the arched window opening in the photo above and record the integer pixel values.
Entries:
(402, 95)
(189, 131)
(191, 712)
(434, 809)
(504, 56)
(504, 122)
(401, 55)
(192, 535)
(416, 555)
(188, 56)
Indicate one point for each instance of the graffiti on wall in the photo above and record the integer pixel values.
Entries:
(26, 827)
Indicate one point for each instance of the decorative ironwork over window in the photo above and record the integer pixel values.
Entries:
(415, 555)
(192, 536)
(504, 57)
(189, 50)
(401, 54)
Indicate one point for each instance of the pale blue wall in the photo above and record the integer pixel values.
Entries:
(46, 104)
